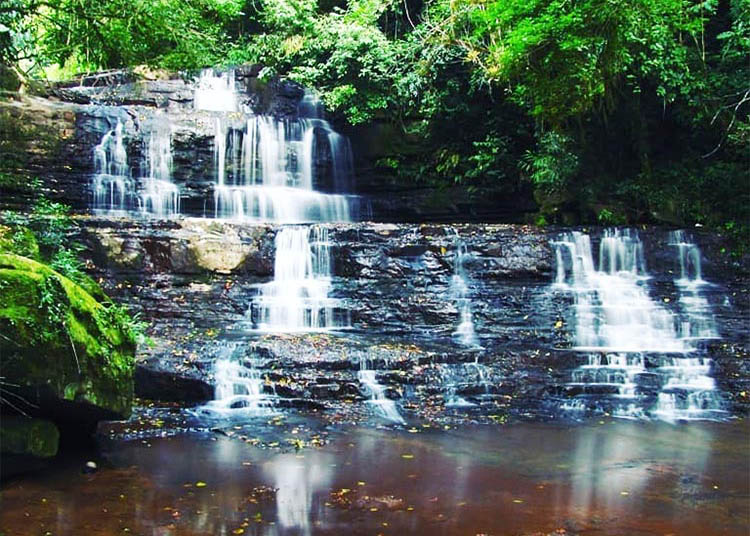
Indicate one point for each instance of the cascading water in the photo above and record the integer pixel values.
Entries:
(466, 377)
(159, 196)
(384, 406)
(624, 332)
(698, 320)
(216, 92)
(240, 389)
(265, 167)
(265, 172)
(153, 192)
(690, 393)
(112, 184)
(297, 299)
(465, 333)
(613, 310)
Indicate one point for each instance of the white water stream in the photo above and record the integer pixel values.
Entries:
(297, 299)
(618, 326)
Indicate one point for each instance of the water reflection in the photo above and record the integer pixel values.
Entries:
(298, 480)
(612, 478)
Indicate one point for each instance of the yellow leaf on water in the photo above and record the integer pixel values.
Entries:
(517, 501)
(200, 484)
(238, 531)
(407, 456)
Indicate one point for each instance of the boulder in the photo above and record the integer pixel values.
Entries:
(26, 444)
(66, 356)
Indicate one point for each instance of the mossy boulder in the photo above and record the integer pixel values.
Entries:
(67, 355)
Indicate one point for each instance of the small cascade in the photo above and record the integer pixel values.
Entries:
(690, 393)
(159, 196)
(153, 193)
(385, 407)
(112, 184)
(463, 377)
(266, 167)
(697, 319)
(642, 359)
(464, 333)
(613, 310)
(240, 389)
(216, 92)
(264, 171)
(297, 299)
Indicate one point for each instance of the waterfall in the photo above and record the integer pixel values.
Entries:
(240, 389)
(266, 167)
(464, 332)
(690, 393)
(159, 196)
(294, 170)
(154, 193)
(216, 93)
(617, 325)
(264, 172)
(613, 310)
(112, 184)
(297, 298)
(384, 406)
(698, 320)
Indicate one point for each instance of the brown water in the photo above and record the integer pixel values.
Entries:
(603, 478)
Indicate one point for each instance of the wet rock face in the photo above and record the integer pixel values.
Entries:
(195, 281)
(52, 138)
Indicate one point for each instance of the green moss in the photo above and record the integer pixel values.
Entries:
(35, 437)
(57, 335)
(19, 240)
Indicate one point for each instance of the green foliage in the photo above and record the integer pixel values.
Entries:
(117, 316)
(51, 223)
(88, 34)
(67, 262)
(56, 334)
(54, 304)
(44, 235)
(342, 53)
(639, 106)
(554, 164)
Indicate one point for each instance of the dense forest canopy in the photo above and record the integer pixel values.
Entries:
(611, 110)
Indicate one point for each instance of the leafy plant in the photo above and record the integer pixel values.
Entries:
(117, 315)
(554, 164)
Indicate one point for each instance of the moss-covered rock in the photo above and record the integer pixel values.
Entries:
(18, 240)
(68, 352)
(28, 437)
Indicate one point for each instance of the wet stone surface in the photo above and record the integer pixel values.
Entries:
(195, 282)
